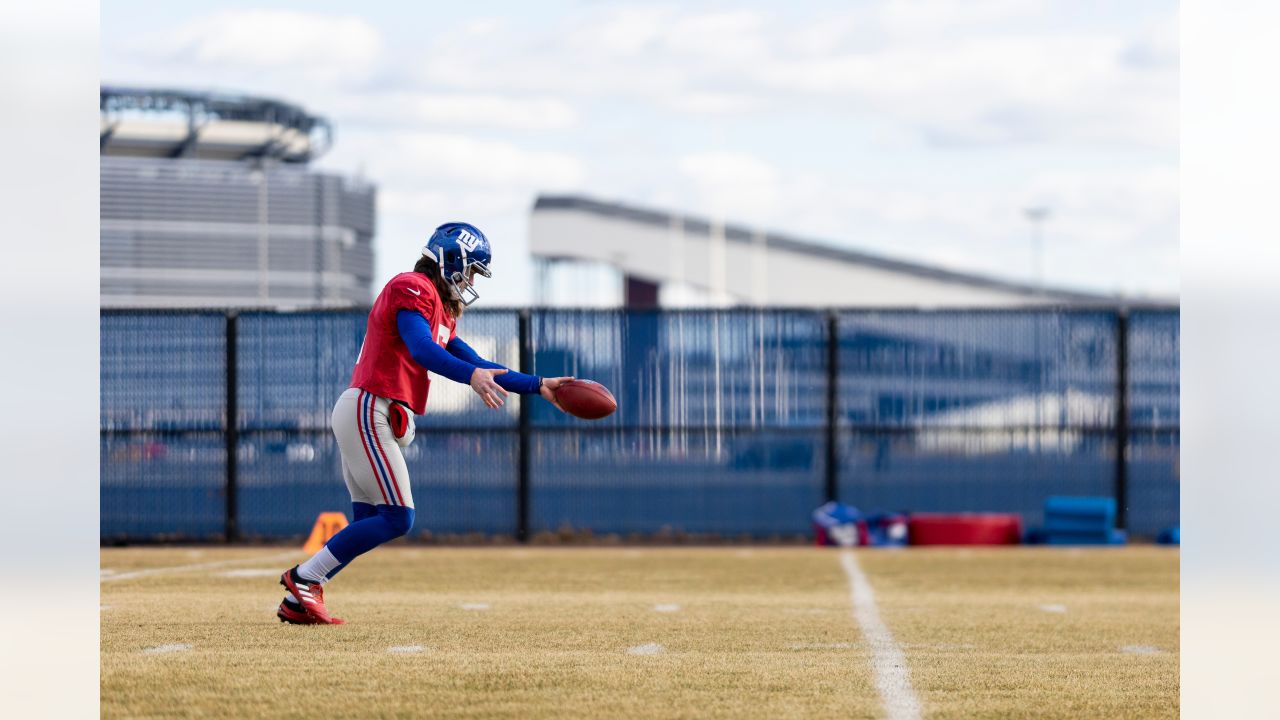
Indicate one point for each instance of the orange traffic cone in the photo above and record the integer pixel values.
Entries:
(327, 525)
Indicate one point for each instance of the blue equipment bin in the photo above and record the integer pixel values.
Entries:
(1080, 521)
(1100, 510)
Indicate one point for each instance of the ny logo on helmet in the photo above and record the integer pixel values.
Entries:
(467, 240)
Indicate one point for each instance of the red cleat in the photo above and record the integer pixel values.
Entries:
(292, 613)
(310, 595)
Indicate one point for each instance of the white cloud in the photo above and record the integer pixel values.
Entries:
(629, 31)
(1157, 46)
(446, 160)
(931, 18)
(458, 110)
(277, 41)
(739, 36)
(1003, 89)
(714, 103)
(991, 71)
(732, 184)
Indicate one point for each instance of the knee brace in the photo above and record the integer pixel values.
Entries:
(399, 519)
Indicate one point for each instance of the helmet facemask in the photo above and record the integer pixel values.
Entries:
(463, 283)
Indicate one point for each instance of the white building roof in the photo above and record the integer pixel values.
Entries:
(738, 264)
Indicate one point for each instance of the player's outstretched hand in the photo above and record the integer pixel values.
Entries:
(488, 390)
(548, 391)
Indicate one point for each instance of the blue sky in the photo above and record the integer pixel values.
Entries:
(917, 129)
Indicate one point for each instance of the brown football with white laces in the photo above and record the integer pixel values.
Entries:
(586, 399)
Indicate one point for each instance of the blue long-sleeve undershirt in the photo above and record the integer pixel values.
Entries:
(463, 351)
(459, 361)
(511, 380)
(416, 333)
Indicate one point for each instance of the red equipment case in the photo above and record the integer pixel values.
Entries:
(964, 529)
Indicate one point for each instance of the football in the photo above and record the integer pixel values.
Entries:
(586, 399)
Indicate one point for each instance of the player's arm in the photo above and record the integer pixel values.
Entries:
(416, 333)
(512, 380)
(546, 387)
(463, 351)
(516, 382)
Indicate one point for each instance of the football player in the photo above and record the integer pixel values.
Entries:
(412, 330)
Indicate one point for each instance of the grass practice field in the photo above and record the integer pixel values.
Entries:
(670, 632)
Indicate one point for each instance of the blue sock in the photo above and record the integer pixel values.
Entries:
(386, 523)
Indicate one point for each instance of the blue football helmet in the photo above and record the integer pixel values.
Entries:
(462, 252)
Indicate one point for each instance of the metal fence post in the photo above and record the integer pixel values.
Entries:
(833, 398)
(526, 407)
(232, 431)
(1122, 419)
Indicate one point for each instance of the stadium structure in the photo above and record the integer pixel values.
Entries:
(208, 200)
(643, 257)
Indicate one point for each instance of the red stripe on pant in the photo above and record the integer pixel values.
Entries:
(395, 487)
(364, 441)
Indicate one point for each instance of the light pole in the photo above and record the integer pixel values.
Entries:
(1037, 215)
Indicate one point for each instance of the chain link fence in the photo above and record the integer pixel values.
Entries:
(732, 424)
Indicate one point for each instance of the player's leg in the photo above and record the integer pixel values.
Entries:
(377, 471)
(383, 468)
(377, 475)
(307, 592)
(362, 506)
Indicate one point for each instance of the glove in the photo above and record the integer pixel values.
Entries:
(401, 421)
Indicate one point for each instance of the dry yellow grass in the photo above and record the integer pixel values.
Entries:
(1035, 632)
(760, 632)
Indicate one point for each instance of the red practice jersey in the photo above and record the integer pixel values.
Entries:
(385, 367)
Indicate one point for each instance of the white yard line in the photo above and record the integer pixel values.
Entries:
(647, 649)
(161, 649)
(893, 679)
(197, 566)
(1140, 649)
